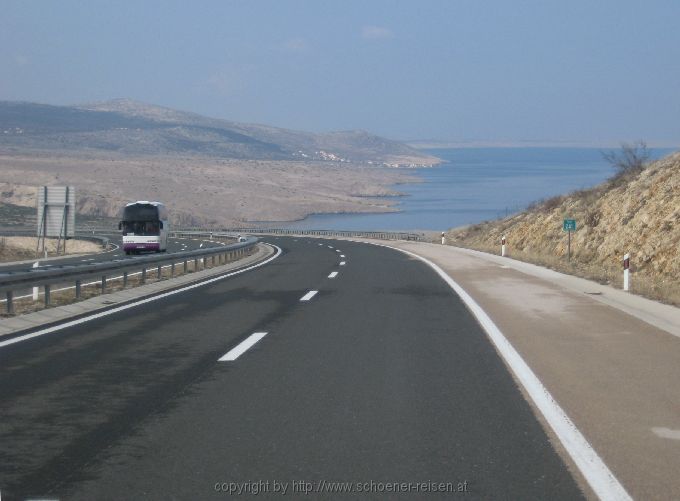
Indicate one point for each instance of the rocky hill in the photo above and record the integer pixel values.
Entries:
(637, 214)
(129, 127)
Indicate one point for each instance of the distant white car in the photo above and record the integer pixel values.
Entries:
(241, 238)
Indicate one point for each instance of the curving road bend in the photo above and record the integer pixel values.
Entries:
(336, 362)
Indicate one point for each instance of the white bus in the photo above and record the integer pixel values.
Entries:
(145, 227)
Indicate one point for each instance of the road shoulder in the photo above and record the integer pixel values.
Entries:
(612, 372)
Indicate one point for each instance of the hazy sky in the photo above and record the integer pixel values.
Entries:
(451, 70)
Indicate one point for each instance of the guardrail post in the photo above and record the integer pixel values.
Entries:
(185, 266)
(158, 272)
(78, 288)
(195, 264)
(10, 303)
(172, 269)
(103, 284)
(125, 279)
(144, 274)
(47, 294)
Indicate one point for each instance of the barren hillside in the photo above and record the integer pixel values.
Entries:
(637, 214)
(208, 171)
(134, 128)
(200, 190)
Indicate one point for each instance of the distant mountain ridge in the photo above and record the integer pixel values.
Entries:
(130, 127)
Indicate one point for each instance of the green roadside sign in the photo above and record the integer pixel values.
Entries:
(569, 225)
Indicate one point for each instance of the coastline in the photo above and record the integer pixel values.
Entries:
(322, 214)
(203, 190)
(390, 193)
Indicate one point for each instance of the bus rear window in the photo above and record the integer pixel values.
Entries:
(140, 213)
(143, 228)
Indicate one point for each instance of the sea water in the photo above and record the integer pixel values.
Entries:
(478, 184)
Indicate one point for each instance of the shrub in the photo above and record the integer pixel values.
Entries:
(552, 203)
(592, 218)
(630, 159)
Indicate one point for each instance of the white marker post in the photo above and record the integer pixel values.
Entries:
(626, 272)
(503, 246)
(443, 239)
(35, 289)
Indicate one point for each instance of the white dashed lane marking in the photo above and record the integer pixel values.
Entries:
(242, 347)
(309, 295)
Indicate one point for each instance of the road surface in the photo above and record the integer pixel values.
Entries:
(380, 380)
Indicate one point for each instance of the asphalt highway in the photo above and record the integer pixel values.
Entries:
(336, 362)
(115, 253)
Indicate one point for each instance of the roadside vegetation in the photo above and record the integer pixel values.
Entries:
(9, 252)
(636, 211)
(22, 248)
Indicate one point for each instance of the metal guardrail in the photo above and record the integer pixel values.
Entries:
(379, 235)
(11, 281)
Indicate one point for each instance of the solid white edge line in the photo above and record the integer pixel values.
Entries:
(333, 274)
(242, 347)
(106, 313)
(592, 467)
(309, 295)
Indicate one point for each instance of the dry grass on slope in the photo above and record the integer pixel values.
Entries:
(20, 248)
(636, 213)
